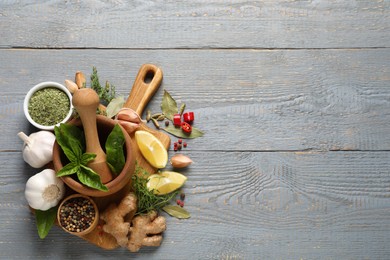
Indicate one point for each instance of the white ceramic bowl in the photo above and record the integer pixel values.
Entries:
(40, 86)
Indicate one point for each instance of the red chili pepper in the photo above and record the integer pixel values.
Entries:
(177, 120)
(186, 127)
(188, 117)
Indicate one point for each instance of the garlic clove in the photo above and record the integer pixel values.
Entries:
(129, 126)
(128, 114)
(71, 86)
(180, 161)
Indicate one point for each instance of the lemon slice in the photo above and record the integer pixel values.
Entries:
(152, 149)
(166, 182)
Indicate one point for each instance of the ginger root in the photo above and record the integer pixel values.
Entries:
(114, 216)
(145, 231)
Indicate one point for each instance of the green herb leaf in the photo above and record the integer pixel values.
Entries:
(168, 106)
(90, 178)
(114, 106)
(68, 169)
(176, 211)
(87, 157)
(114, 150)
(71, 139)
(176, 131)
(45, 220)
(95, 84)
(106, 93)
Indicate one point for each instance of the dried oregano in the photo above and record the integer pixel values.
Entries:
(48, 106)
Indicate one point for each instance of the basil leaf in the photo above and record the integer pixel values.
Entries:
(62, 141)
(71, 139)
(176, 131)
(114, 106)
(176, 211)
(90, 178)
(68, 169)
(45, 220)
(168, 106)
(114, 150)
(87, 157)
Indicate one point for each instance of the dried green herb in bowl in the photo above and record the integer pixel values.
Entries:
(48, 104)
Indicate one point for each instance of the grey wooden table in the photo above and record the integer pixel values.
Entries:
(294, 98)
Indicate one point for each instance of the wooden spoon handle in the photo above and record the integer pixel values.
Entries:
(146, 84)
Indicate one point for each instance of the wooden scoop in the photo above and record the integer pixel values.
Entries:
(86, 101)
(146, 84)
(142, 92)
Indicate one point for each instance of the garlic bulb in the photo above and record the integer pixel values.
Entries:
(38, 148)
(44, 190)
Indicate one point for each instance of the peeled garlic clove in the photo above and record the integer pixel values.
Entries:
(128, 114)
(71, 86)
(180, 161)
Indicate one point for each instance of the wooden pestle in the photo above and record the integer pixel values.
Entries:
(86, 101)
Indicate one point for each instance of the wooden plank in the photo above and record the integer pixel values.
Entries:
(195, 24)
(269, 100)
(244, 205)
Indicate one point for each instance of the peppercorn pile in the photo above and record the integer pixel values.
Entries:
(77, 214)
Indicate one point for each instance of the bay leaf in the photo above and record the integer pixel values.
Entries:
(176, 131)
(168, 106)
(176, 211)
(182, 108)
(114, 106)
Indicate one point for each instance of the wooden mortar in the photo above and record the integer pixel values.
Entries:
(119, 183)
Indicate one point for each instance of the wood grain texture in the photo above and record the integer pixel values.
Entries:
(195, 24)
(268, 100)
(243, 205)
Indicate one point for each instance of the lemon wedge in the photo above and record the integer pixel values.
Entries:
(152, 149)
(165, 182)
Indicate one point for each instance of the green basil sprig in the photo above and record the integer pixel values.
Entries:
(71, 139)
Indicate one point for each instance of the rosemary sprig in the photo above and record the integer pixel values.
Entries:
(146, 199)
(106, 93)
